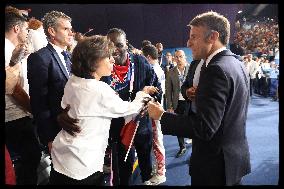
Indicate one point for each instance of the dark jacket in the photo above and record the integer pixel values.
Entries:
(144, 75)
(218, 129)
(47, 77)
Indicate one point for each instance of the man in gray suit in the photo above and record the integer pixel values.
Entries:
(220, 152)
(175, 101)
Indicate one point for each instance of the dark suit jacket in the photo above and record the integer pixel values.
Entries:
(47, 77)
(218, 129)
(173, 87)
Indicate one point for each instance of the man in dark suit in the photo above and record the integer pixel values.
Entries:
(48, 72)
(220, 153)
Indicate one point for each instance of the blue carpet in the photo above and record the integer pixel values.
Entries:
(263, 139)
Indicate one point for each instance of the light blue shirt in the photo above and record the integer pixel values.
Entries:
(273, 73)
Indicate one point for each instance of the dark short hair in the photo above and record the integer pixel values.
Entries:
(12, 19)
(145, 42)
(88, 52)
(150, 50)
(116, 31)
(214, 21)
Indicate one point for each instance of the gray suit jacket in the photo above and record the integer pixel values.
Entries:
(218, 129)
(173, 87)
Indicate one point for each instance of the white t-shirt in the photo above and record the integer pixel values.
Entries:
(94, 103)
(13, 110)
(38, 38)
(161, 75)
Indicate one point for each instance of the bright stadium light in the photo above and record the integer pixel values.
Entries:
(240, 11)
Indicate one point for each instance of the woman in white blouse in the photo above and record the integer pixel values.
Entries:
(79, 159)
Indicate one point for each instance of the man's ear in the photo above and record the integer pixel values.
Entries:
(51, 32)
(16, 28)
(214, 36)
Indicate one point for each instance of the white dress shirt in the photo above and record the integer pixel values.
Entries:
(213, 54)
(161, 75)
(94, 103)
(196, 81)
(183, 76)
(59, 51)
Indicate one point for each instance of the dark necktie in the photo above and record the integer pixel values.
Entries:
(67, 61)
(203, 67)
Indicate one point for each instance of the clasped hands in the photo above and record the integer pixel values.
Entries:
(190, 93)
(154, 109)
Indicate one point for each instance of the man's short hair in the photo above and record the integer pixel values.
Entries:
(150, 50)
(116, 31)
(145, 42)
(12, 19)
(214, 21)
(50, 19)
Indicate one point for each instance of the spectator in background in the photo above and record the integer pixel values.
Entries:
(169, 64)
(160, 48)
(253, 66)
(77, 37)
(151, 53)
(273, 80)
(38, 37)
(264, 81)
(145, 43)
(21, 138)
(175, 101)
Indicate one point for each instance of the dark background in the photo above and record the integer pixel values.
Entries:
(165, 23)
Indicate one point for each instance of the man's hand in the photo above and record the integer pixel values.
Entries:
(190, 93)
(19, 53)
(22, 98)
(171, 110)
(150, 90)
(155, 110)
(67, 123)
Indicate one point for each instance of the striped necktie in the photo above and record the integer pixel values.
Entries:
(67, 61)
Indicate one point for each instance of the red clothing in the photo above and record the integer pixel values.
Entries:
(10, 177)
